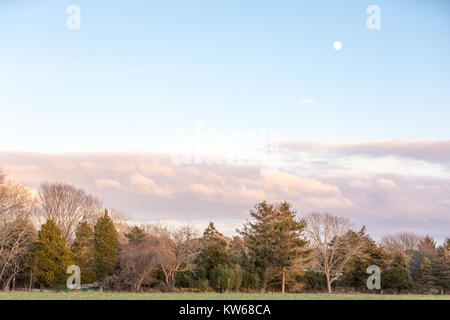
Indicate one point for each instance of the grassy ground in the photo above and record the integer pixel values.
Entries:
(206, 296)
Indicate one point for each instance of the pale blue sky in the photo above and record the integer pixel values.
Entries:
(139, 70)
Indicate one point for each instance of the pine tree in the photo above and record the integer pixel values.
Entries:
(50, 257)
(257, 234)
(426, 248)
(397, 276)
(273, 238)
(214, 252)
(425, 278)
(135, 235)
(441, 268)
(355, 274)
(289, 240)
(83, 250)
(219, 278)
(106, 248)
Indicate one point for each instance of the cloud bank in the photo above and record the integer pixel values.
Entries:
(360, 181)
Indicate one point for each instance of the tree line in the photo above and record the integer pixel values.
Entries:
(275, 250)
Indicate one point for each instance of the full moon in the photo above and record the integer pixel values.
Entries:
(337, 45)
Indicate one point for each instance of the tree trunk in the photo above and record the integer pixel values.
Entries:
(41, 288)
(329, 283)
(265, 281)
(100, 287)
(283, 280)
(31, 281)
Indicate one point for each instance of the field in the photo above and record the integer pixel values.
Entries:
(207, 296)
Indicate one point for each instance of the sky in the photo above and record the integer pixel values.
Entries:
(372, 116)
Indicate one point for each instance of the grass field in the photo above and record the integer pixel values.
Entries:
(207, 296)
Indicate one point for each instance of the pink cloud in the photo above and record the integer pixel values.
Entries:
(152, 187)
(386, 184)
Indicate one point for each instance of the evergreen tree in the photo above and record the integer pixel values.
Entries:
(426, 248)
(314, 280)
(106, 248)
(135, 235)
(214, 251)
(219, 277)
(236, 277)
(273, 238)
(441, 268)
(288, 239)
(83, 250)
(50, 256)
(397, 276)
(425, 277)
(355, 274)
(250, 280)
(239, 256)
(257, 234)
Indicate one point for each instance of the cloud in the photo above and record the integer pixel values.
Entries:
(152, 187)
(386, 184)
(147, 186)
(434, 151)
(108, 183)
(117, 177)
(360, 184)
(308, 101)
(418, 159)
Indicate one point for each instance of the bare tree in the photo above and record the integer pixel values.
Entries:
(16, 230)
(68, 206)
(139, 260)
(180, 248)
(404, 241)
(120, 221)
(330, 248)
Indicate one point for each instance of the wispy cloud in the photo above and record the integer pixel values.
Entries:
(434, 151)
(308, 101)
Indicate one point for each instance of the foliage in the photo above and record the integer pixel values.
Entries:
(313, 280)
(213, 251)
(275, 250)
(425, 277)
(441, 268)
(106, 248)
(274, 238)
(397, 276)
(83, 250)
(50, 257)
(355, 274)
(135, 235)
(224, 277)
